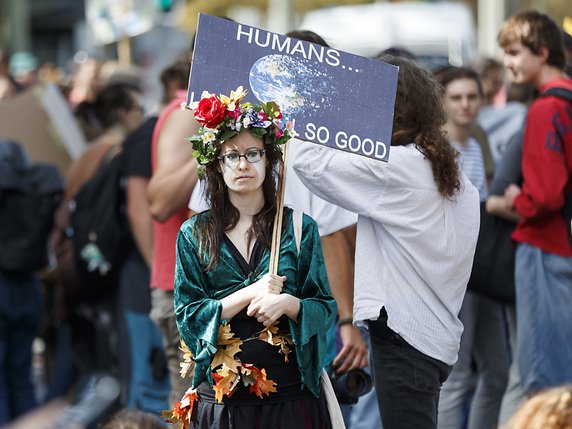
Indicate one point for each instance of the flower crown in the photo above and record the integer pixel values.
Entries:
(222, 118)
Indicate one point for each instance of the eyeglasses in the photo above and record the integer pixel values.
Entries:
(232, 158)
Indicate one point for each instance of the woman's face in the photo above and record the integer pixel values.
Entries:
(240, 175)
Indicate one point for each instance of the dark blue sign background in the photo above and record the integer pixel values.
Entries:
(337, 99)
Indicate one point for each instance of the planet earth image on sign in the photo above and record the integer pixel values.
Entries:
(298, 86)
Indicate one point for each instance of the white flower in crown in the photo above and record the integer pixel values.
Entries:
(208, 136)
(290, 129)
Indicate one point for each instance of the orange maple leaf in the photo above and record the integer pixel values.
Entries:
(262, 385)
(227, 347)
(225, 335)
(271, 335)
(178, 415)
(189, 400)
(188, 364)
(225, 382)
(267, 334)
(184, 411)
(225, 355)
(285, 342)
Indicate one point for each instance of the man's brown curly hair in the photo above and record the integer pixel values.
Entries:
(419, 118)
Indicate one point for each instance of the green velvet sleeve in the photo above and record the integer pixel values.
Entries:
(317, 307)
(197, 313)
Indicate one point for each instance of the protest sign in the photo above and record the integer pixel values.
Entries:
(42, 122)
(337, 99)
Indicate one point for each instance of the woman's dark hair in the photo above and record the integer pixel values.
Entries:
(308, 36)
(456, 73)
(224, 216)
(177, 73)
(108, 102)
(419, 118)
(398, 51)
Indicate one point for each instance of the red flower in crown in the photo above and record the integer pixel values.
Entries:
(210, 112)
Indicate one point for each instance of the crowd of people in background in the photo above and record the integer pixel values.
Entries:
(495, 354)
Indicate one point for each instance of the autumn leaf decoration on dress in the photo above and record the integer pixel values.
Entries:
(228, 371)
(183, 412)
(227, 347)
(188, 364)
(271, 335)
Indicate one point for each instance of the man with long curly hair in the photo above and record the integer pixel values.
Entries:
(418, 221)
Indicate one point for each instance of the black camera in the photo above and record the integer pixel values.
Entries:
(349, 386)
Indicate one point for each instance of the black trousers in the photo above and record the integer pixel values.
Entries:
(407, 382)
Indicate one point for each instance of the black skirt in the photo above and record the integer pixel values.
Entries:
(307, 412)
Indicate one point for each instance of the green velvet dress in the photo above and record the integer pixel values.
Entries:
(297, 402)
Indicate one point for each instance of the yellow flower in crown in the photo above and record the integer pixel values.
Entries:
(235, 97)
(223, 117)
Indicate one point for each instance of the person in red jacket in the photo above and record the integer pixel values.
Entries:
(534, 53)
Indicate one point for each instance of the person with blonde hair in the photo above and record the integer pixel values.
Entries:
(549, 409)
(133, 419)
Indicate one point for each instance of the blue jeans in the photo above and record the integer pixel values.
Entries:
(407, 381)
(483, 364)
(513, 396)
(544, 318)
(147, 391)
(20, 317)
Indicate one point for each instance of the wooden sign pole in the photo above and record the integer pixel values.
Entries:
(277, 229)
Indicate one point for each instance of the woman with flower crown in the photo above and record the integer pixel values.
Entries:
(255, 342)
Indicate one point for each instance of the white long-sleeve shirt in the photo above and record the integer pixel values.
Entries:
(414, 250)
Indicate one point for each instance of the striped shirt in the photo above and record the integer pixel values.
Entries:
(472, 164)
(414, 249)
